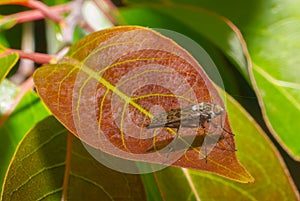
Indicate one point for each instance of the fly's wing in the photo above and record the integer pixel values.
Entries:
(189, 117)
(169, 119)
(185, 117)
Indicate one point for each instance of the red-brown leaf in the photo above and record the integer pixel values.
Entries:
(113, 82)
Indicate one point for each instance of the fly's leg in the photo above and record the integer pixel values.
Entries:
(221, 127)
(205, 150)
(221, 123)
(171, 146)
(204, 143)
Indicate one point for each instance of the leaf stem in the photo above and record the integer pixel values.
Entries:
(36, 57)
(67, 167)
(31, 15)
(43, 8)
(71, 21)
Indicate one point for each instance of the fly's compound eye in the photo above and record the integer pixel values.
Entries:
(218, 109)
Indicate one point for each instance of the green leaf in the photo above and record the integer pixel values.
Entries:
(28, 112)
(275, 51)
(7, 23)
(280, 101)
(6, 63)
(209, 25)
(254, 150)
(3, 42)
(151, 188)
(38, 168)
(272, 33)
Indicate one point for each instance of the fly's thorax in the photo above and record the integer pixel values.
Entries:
(203, 107)
(208, 109)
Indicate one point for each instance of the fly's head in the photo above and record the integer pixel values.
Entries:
(217, 110)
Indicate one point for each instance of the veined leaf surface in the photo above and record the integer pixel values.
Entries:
(61, 167)
(113, 82)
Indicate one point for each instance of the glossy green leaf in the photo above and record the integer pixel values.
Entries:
(6, 64)
(280, 101)
(7, 23)
(210, 25)
(28, 112)
(272, 33)
(3, 42)
(38, 169)
(254, 149)
(276, 73)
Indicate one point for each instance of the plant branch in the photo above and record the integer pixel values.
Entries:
(71, 21)
(31, 15)
(43, 8)
(74, 18)
(36, 57)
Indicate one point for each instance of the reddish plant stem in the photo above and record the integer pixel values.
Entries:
(36, 57)
(42, 8)
(31, 15)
